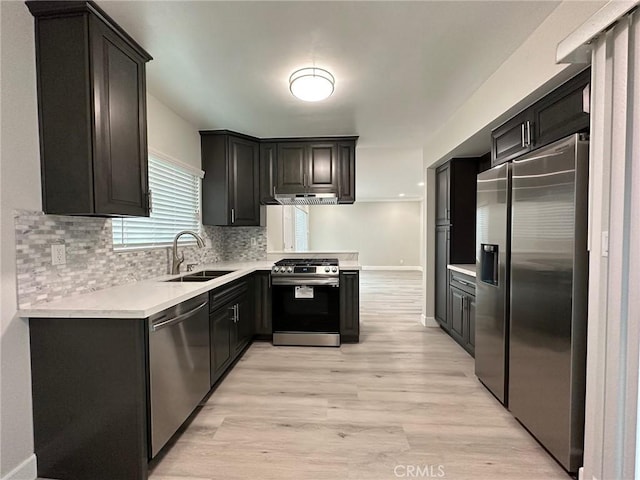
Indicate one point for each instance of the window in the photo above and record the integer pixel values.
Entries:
(175, 207)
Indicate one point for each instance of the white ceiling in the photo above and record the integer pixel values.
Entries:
(401, 68)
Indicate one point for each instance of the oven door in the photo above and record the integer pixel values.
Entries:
(306, 314)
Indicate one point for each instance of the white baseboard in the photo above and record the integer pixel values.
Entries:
(27, 470)
(428, 321)
(392, 267)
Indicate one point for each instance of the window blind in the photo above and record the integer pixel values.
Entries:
(175, 207)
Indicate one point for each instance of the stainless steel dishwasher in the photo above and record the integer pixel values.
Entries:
(178, 365)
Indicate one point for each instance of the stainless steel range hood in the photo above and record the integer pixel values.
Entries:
(307, 199)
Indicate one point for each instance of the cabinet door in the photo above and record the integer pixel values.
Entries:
(441, 275)
(120, 151)
(512, 139)
(220, 322)
(349, 306)
(563, 112)
(291, 167)
(262, 305)
(322, 168)
(244, 178)
(268, 173)
(244, 322)
(347, 169)
(443, 211)
(471, 317)
(457, 313)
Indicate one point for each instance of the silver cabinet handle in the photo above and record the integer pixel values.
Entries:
(180, 318)
(528, 133)
(237, 307)
(522, 135)
(304, 180)
(274, 190)
(233, 215)
(344, 272)
(150, 200)
(464, 283)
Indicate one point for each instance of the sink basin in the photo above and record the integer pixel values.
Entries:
(210, 273)
(203, 276)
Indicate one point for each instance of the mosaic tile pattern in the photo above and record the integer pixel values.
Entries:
(92, 263)
(245, 243)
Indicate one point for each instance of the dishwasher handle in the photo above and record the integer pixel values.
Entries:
(180, 318)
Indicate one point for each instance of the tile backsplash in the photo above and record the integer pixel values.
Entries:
(92, 264)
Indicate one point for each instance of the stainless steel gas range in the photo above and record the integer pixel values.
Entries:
(306, 302)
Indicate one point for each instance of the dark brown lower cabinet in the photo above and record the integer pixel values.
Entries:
(89, 386)
(441, 276)
(262, 305)
(349, 306)
(231, 324)
(220, 322)
(462, 310)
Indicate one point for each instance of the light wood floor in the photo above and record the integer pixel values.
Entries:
(404, 403)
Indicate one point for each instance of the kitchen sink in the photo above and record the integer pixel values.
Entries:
(203, 276)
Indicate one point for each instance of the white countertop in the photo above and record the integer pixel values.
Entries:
(466, 268)
(145, 298)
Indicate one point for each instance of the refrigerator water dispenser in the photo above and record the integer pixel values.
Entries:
(489, 263)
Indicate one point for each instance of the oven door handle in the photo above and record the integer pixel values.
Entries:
(306, 282)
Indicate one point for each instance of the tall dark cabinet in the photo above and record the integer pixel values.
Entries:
(92, 112)
(231, 185)
(455, 235)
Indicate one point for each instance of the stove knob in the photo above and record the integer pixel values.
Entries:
(289, 270)
(281, 269)
(334, 269)
(275, 269)
(326, 269)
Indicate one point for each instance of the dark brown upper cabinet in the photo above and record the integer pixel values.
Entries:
(562, 112)
(311, 165)
(268, 172)
(292, 167)
(347, 170)
(231, 184)
(307, 167)
(92, 112)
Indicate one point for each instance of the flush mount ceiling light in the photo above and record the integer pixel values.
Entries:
(311, 84)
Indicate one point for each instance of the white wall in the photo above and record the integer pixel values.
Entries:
(275, 240)
(527, 70)
(384, 233)
(20, 189)
(172, 135)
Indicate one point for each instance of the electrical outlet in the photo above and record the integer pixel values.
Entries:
(254, 241)
(58, 254)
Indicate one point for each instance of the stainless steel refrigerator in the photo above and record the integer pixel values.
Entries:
(531, 311)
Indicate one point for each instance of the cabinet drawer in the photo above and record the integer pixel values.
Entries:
(222, 295)
(462, 282)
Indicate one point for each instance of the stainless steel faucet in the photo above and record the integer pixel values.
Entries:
(177, 260)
